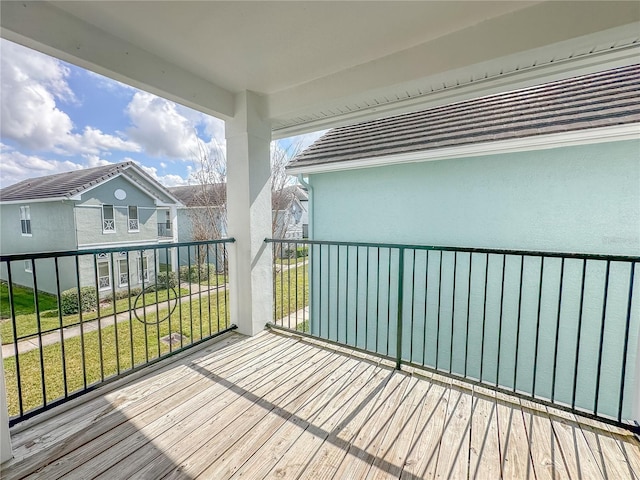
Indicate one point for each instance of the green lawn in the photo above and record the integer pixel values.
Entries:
(289, 261)
(128, 343)
(219, 277)
(23, 302)
(289, 295)
(27, 324)
(136, 344)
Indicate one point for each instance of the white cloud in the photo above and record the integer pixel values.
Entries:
(96, 161)
(16, 166)
(160, 128)
(32, 86)
(94, 141)
(169, 180)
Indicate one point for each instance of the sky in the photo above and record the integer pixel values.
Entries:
(56, 117)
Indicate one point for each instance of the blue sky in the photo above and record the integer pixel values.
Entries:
(57, 117)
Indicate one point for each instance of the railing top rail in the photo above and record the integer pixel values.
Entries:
(73, 253)
(576, 255)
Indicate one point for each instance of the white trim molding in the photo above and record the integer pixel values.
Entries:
(541, 142)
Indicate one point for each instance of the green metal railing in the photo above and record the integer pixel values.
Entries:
(80, 319)
(560, 329)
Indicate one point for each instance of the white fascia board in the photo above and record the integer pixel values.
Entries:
(155, 184)
(34, 200)
(541, 142)
(94, 246)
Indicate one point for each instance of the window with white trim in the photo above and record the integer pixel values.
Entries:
(134, 226)
(143, 269)
(108, 219)
(104, 275)
(123, 272)
(25, 220)
(28, 267)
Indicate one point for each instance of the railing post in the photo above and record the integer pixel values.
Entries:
(5, 438)
(400, 302)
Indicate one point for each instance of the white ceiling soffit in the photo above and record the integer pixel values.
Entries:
(322, 64)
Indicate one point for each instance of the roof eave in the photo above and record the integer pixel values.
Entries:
(538, 142)
(34, 200)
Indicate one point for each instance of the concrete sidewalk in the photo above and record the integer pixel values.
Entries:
(51, 338)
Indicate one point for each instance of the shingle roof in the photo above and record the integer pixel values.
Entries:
(60, 185)
(597, 100)
(201, 195)
(281, 200)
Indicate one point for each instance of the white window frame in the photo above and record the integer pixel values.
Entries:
(109, 224)
(25, 220)
(28, 267)
(142, 271)
(122, 274)
(104, 285)
(133, 223)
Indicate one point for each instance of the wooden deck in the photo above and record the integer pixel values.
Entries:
(275, 406)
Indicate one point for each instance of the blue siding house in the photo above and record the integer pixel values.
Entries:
(111, 206)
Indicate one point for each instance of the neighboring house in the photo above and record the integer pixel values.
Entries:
(104, 207)
(290, 212)
(554, 167)
(202, 215)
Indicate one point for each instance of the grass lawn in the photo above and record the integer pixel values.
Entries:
(124, 345)
(291, 291)
(23, 301)
(27, 324)
(292, 261)
(219, 277)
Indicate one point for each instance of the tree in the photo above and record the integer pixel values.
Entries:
(208, 212)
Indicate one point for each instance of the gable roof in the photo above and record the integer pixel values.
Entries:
(201, 195)
(70, 184)
(602, 99)
(282, 200)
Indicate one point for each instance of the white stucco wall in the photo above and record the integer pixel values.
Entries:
(582, 199)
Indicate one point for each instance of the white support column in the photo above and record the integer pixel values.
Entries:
(5, 438)
(174, 229)
(635, 410)
(249, 214)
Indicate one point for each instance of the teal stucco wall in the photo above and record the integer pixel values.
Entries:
(579, 199)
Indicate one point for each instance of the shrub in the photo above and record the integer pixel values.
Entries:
(167, 280)
(69, 300)
(120, 294)
(298, 252)
(192, 275)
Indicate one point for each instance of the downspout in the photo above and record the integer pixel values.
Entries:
(310, 213)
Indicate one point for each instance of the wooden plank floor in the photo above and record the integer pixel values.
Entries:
(276, 406)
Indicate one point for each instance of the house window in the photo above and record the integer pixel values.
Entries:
(104, 276)
(133, 219)
(305, 230)
(123, 272)
(25, 220)
(108, 221)
(143, 269)
(28, 267)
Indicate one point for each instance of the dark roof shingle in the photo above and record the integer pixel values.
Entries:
(201, 195)
(65, 184)
(597, 100)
